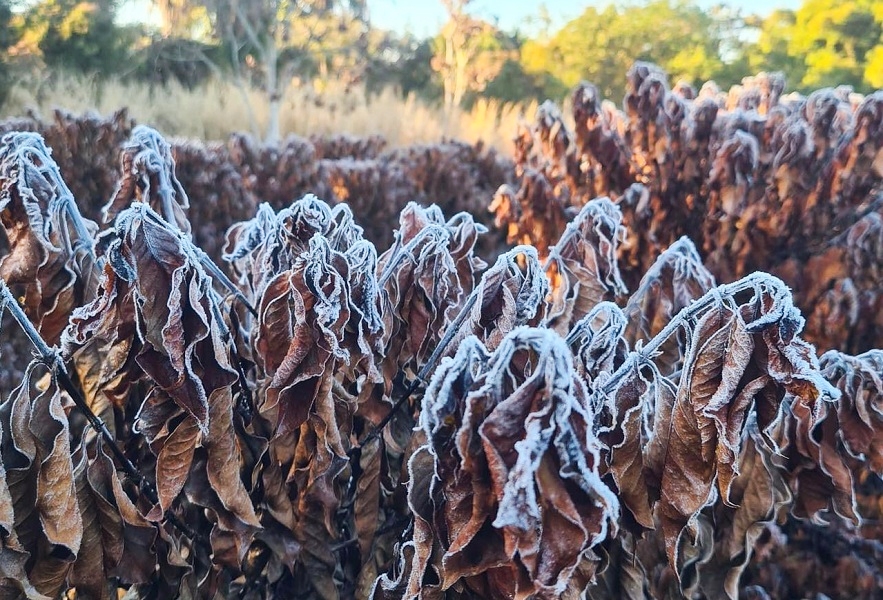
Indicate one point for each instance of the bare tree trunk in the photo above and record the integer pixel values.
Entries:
(274, 94)
(460, 65)
(449, 76)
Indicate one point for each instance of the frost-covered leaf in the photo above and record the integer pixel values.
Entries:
(598, 342)
(860, 407)
(148, 175)
(50, 262)
(675, 280)
(426, 278)
(516, 460)
(582, 267)
(511, 294)
(271, 242)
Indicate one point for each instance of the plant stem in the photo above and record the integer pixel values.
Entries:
(688, 312)
(219, 275)
(52, 359)
(402, 251)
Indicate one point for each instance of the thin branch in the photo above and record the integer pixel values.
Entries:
(219, 275)
(250, 31)
(51, 357)
(451, 332)
(685, 315)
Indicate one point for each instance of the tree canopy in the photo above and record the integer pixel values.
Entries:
(822, 43)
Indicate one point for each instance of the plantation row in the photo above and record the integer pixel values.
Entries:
(791, 186)
(302, 412)
(231, 179)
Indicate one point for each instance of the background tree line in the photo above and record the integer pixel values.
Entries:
(273, 44)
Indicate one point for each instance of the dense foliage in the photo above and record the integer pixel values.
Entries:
(330, 416)
(820, 43)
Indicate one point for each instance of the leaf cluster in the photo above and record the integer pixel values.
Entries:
(265, 435)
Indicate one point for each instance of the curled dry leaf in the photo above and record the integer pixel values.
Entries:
(50, 255)
(675, 280)
(426, 278)
(42, 526)
(749, 394)
(148, 175)
(582, 267)
(598, 342)
(180, 346)
(298, 341)
(516, 502)
(511, 294)
(270, 242)
(860, 408)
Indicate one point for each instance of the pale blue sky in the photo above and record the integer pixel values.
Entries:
(425, 17)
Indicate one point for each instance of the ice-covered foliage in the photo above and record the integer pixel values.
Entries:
(571, 441)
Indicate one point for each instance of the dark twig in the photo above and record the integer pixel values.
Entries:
(385, 529)
(51, 357)
(450, 333)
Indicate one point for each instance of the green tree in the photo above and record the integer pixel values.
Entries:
(823, 43)
(601, 44)
(75, 35)
(771, 51)
(836, 37)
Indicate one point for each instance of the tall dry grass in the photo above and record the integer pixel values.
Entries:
(219, 108)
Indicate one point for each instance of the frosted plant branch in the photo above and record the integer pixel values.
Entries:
(784, 307)
(450, 333)
(401, 252)
(51, 357)
(27, 154)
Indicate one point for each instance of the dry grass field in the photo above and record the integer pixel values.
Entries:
(218, 109)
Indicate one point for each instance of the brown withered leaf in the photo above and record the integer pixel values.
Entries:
(101, 340)
(302, 315)
(624, 577)
(806, 433)
(364, 333)
(299, 337)
(675, 280)
(13, 555)
(517, 461)
(860, 407)
(367, 500)
(703, 423)
(173, 463)
(511, 294)
(627, 437)
(425, 278)
(47, 527)
(582, 267)
(148, 175)
(89, 573)
(599, 345)
(758, 494)
(224, 462)
(183, 346)
(50, 262)
(56, 491)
